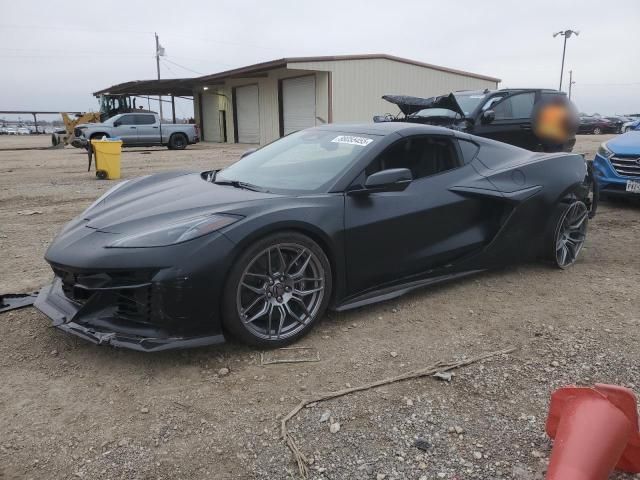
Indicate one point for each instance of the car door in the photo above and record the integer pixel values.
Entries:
(512, 122)
(126, 129)
(393, 235)
(148, 129)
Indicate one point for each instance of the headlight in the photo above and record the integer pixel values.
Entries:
(604, 151)
(105, 195)
(178, 232)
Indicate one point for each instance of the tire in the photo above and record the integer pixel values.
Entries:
(54, 140)
(178, 141)
(597, 131)
(568, 233)
(276, 290)
(98, 136)
(101, 174)
(627, 129)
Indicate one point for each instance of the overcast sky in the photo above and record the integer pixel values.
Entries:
(54, 54)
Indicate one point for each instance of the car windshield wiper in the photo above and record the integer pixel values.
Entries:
(239, 184)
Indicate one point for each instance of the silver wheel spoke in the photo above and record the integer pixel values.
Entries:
(257, 290)
(283, 264)
(304, 293)
(283, 316)
(262, 311)
(304, 266)
(293, 314)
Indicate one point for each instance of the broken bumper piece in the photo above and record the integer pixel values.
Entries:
(92, 322)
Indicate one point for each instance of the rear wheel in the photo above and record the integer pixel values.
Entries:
(569, 234)
(277, 290)
(597, 131)
(177, 142)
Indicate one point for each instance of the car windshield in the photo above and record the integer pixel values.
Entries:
(469, 102)
(306, 161)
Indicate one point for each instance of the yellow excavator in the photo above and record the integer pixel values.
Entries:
(110, 105)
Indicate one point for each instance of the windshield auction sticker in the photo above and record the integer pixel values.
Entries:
(351, 140)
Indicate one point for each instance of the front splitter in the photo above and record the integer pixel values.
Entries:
(61, 311)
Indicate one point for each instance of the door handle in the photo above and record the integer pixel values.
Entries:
(155, 127)
(525, 127)
(132, 127)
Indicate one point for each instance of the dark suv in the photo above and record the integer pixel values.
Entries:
(506, 115)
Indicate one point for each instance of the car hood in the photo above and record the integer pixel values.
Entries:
(409, 105)
(625, 144)
(163, 198)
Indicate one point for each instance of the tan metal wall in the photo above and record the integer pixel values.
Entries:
(268, 103)
(358, 85)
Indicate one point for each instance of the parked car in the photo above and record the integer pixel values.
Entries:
(617, 165)
(23, 131)
(596, 126)
(631, 125)
(141, 129)
(12, 131)
(337, 216)
(618, 122)
(506, 115)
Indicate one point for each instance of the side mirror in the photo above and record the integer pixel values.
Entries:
(116, 124)
(488, 116)
(392, 179)
(248, 152)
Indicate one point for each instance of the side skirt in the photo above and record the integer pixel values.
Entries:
(395, 291)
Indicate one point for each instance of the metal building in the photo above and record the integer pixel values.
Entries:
(261, 102)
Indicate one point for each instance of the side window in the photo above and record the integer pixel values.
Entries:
(127, 120)
(516, 106)
(145, 119)
(424, 156)
(468, 150)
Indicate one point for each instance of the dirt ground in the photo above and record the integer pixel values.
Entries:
(69, 409)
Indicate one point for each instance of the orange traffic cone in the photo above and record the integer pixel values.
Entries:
(595, 431)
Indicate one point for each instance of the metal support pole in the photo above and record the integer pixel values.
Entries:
(570, 82)
(158, 70)
(35, 121)
(173, 108)
(564, 49)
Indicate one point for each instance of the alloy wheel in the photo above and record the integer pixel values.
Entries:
(571, 234)
(280, 291)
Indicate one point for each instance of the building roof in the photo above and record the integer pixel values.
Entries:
(184, 86)
(283, 62)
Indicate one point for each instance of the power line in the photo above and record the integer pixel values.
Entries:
(182, 66)
(83, 29)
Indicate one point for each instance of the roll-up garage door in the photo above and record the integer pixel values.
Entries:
(298, 103)
(248, 114)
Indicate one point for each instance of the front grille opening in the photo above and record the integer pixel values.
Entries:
(134, 305)
(626, 166)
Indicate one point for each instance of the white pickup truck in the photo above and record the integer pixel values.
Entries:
(141, 130)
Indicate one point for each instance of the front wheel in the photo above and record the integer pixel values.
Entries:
(597, 131)
(277, 290)
(569, 234)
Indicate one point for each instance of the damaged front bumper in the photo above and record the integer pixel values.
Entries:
(96, 316)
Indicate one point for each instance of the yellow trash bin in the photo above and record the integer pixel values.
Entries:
(108, 153)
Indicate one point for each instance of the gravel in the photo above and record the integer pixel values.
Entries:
(78, 412)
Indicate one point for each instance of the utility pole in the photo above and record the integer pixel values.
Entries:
(159, 52)
(571, 82)
(566, 34)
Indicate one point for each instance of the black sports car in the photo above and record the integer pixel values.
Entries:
(331, 217)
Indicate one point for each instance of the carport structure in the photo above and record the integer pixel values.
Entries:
(176, 87)
(258, 103)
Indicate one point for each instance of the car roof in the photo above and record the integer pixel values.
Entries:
(386, 128)
(486, 91)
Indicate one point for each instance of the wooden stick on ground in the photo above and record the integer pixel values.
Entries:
(440, 366)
